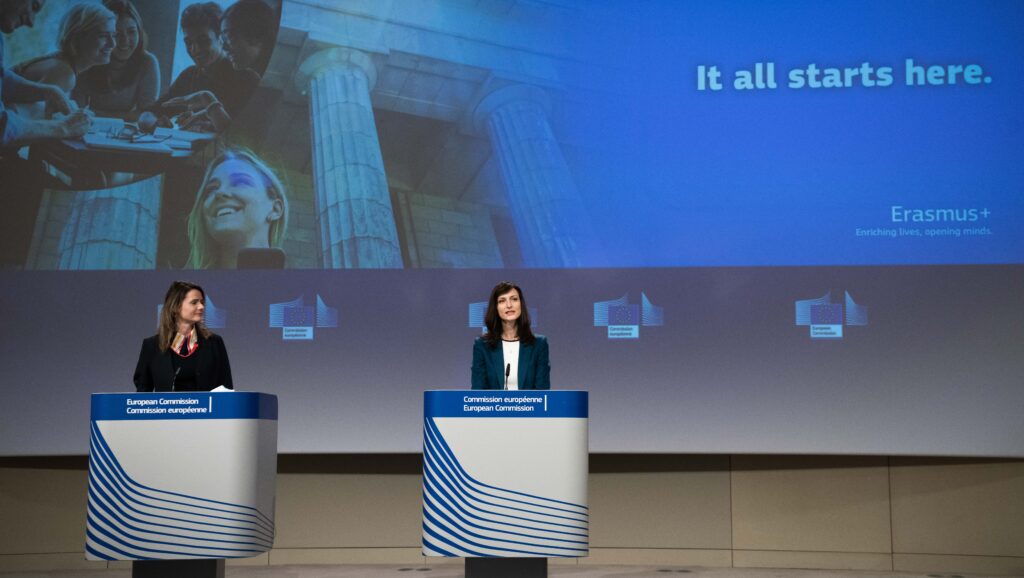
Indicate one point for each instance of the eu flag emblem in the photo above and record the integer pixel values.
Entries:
(624, 315)
(827, 314)
(299, 316)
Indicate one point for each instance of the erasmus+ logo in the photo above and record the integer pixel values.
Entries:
(297, 320)
(825, 318)
(623, 319)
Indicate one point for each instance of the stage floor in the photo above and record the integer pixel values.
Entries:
(454, 570)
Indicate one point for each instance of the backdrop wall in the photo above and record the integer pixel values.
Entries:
(791, 228)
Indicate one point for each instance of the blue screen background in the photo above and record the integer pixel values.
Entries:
(677, 176)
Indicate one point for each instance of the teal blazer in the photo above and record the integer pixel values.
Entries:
(489, 365)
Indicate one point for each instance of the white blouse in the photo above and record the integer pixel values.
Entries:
(511, 351)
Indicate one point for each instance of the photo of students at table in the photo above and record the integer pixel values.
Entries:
(94, 128)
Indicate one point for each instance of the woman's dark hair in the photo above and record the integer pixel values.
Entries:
(168, 326)
(99, 78)
(205, 15)
(493, 321)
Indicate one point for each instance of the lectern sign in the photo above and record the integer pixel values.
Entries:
(182, 405)
(505, 474)
(181, 475)
(506, 404)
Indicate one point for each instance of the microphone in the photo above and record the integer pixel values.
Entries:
(508, 370)
(175, 378)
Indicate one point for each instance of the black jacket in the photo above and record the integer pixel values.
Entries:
(155, 372)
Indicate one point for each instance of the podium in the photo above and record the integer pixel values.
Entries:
(187, 476)
(505, 477)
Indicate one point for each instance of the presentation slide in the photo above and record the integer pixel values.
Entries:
(744, 227)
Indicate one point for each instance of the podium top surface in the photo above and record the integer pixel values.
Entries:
(183, 405)
(497, 403)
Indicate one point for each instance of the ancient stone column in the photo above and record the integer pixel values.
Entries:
(113, 228)
(353, 206)
(550, 219)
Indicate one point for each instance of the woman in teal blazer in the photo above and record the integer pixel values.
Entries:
(509, 355)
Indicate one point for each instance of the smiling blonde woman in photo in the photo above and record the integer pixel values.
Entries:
(240, 205)
(87, 39)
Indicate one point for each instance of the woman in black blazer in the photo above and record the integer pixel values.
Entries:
(184, 355)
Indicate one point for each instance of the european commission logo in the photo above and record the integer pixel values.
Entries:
(297, 320)
(213, 317)
(826, 319)
(623, 319)
(478, 310)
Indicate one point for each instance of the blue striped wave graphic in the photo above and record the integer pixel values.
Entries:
(465, 517)
(129, 521)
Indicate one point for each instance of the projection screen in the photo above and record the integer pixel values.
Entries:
(744, 227)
